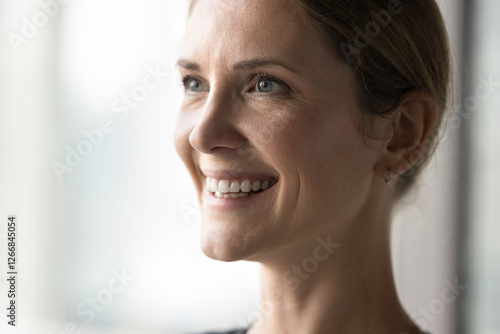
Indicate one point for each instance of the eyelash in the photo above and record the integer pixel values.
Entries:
(253, 77)
(263, 76)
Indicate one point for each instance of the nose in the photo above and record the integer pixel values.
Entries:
(217, 127)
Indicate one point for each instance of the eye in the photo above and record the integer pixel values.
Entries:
(267, 84)
(194, 85)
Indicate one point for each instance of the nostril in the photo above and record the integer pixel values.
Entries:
(201, 139)
(207, 136)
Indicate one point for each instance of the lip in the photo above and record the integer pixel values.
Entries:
(228, 175)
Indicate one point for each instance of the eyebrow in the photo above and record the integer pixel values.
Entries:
(188, 65)
(260, 62)
(241, 65)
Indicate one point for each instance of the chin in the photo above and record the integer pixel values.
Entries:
(222, 249)
(228, 243)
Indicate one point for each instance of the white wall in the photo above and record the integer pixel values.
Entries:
(484, 249)
(425, 230)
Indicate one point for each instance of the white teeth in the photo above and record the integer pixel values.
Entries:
(214, 185)
(256, 186)
(235, 187)
(221, 195)
(223, 186)
(246, 186)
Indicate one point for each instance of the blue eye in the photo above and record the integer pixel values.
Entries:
(267, 84)
(194, 85)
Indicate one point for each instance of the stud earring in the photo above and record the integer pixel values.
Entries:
(388, 179)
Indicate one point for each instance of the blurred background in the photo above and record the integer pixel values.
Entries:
(109, 238)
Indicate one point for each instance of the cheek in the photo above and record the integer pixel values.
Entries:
(329, 157)
(339, 156)
(182, 131)
(267, 124)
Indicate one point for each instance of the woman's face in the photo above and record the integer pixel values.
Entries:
(267, 102)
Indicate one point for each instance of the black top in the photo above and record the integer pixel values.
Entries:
(238, 331)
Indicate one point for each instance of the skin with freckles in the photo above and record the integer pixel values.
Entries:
(264, 96)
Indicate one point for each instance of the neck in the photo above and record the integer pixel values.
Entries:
(334, 286)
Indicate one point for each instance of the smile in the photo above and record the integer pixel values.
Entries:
(238, 188)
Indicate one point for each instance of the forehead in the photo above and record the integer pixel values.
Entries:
(229, 30)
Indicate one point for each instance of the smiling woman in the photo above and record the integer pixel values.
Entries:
(300, 130)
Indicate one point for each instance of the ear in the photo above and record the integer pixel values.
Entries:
(413, 124)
